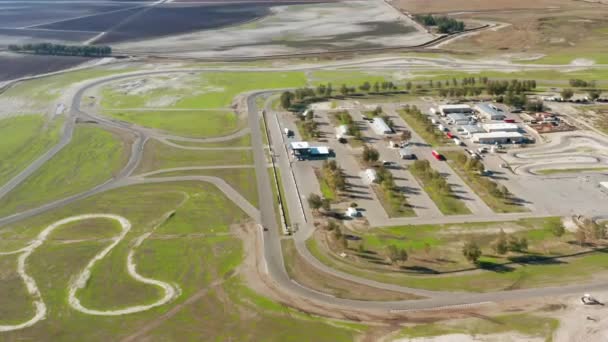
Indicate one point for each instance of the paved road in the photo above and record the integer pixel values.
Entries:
(266, 214)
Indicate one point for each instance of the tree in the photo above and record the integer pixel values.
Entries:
(392, 252)
(365, 86)
(344, 90)
(594, 94)
(471, 251)
(361, 247)
(376, 87)
(567, 93)
(287, 99)
(326, 204)
(500, 244)
(408, 85)
(406, 135)
(518, 245)
(580, 235)
(395, 254)
(315, 202)
(370, 154)
(556, 228)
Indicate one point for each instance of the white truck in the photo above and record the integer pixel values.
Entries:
(457, 142)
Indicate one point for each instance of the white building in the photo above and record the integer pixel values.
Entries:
(469, 130)
(500, 127)
(458, 108)
(499, 138)
(489, 112)
(380, 127)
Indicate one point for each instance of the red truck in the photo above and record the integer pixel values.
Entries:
(450, 135)
(510, 120)
(437, 155)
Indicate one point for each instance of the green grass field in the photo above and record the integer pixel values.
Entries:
(194, 249)
(208, 90)
(91, 158)
(201, 123)
(439, 248)
(242, 180)
(24, 138)
(159, 156)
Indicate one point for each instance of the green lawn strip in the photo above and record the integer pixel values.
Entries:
(499, 205)
(558, 171)
(525, 324)
(426, 132)
(159, 156)
(282, 192)
(326, 190)
(447, 204)
(208, 89)
(275, 194)
(15, 302)
(23, 139)
(242, 180)
(395, 205)
(244, 141)
(195, 123)
(91, 158)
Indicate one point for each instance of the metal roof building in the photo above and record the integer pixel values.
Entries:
(458, 108)
(380, 127)
(469, 130)
(500, 127)
(488, 112)
(498, 138)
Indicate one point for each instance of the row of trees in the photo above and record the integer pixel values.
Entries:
(423, 170)
(444, 24)
(509, 243)
(424, 120)
(578, 83)
(592, 94)
(475, 168)
(63, 50)
(333, 176)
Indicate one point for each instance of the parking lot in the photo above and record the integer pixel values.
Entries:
(539, 194)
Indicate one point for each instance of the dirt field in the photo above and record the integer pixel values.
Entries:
(16, 66)
(447, 6)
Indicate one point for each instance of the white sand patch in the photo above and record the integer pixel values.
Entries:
(582, 62)
(32, 288)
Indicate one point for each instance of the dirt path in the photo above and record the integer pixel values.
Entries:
(81, 280)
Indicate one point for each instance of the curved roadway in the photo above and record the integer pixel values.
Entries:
(272, 257)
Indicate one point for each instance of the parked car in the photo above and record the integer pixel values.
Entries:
(437, 155)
